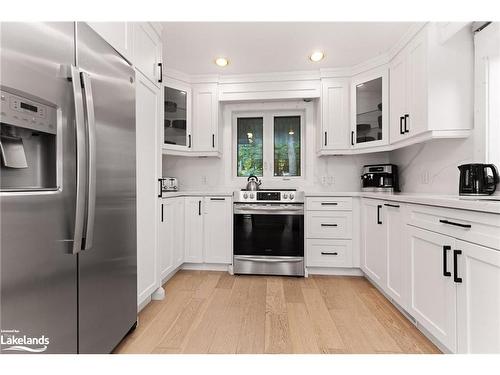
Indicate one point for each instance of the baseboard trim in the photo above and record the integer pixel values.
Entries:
(143, 304)
(334, 271)
(206, 267)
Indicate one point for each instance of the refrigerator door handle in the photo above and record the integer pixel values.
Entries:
(91, 162)
(80, 160)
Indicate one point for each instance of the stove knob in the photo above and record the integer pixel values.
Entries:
(252, 195)
(285, 196)
(291, 196)
(245, 195)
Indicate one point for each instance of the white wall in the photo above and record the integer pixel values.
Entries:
(431, 167)
(342, 173)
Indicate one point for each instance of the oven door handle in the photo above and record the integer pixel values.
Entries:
(270, 260)
(288, 210)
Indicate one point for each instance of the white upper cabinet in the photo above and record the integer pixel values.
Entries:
(177, 136)
(431, 85)
(147, 51)
(369, 109)
(218, 230)
(334, 101)
(118, 35)
(205, 117)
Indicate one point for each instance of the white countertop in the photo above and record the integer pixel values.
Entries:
(450, 201)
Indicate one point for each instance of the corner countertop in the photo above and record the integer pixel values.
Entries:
(481, 204)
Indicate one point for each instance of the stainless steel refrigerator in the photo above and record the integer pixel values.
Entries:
(67, 190)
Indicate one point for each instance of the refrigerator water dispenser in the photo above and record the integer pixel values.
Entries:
(28, 145)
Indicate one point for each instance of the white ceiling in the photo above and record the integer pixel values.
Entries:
(262, 47)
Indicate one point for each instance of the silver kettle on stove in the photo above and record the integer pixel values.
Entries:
(253, 183)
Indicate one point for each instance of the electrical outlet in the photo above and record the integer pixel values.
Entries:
(425, 177)
(323, 180)
(204, 180)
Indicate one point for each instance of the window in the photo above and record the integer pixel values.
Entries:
(287, 146)
(268, 144)
(250, 146)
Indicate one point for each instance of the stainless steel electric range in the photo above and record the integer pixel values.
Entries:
(268, 234)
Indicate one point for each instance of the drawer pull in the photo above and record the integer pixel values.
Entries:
(329, 253)
(455, 224)
(329, 203)
(391, 205)
(329, 225)
(217, 199)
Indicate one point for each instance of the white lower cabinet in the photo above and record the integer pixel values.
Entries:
(179, 231)
(433, 300)
(478, 298)
(167, 232)
(193, 251)
(218, 229)
(373, 241)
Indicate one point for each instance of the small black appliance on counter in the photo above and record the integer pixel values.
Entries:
(478, 179)
(380, 177)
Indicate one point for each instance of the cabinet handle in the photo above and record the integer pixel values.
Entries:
(455, 224)
(199, 208)
(213, 140)
(446, 248)
(352, 138)
(407, 128)
(162, 212)
(456, 253)
(217, 199)
(326, 139)
(379, 206)
(329, 225)
(329, 203)
(329, 253)
(160, 191)
(401, 129)
(391, 205)
(189, 141)
(160, 65)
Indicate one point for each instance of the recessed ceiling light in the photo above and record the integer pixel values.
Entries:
(317, 56)
(221, 61)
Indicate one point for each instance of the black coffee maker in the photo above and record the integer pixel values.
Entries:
(478, 179)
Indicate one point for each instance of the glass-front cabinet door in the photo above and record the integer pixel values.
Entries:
(177, 117)
(370, 120)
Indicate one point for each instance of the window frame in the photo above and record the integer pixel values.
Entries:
(268, 147)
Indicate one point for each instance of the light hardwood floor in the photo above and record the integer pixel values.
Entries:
(214, 312)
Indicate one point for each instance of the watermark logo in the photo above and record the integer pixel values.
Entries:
(11, 340)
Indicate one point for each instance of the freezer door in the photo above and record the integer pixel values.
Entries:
(38, 273)
(107, 268)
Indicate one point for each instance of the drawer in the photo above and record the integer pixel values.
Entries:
(329, 204)
(477, 227)
(328, 253)
(329, 224)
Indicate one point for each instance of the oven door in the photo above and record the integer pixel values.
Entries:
(271, 230)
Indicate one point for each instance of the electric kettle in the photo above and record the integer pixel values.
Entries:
(478, 179)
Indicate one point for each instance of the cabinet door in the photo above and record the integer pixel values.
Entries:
(397, 254)
(374, 241)
(370, 109)
(334, 115)
(147, 51)
(177, 116)
(478, 299)
(118, 35)
(205, 117)
(179, 232)
(218, 230)
(166, 243)
(194, 230)
(147, 163)
(397, 94)
(417, 94)
(433, 299)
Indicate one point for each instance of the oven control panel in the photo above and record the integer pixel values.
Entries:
(274, 196)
